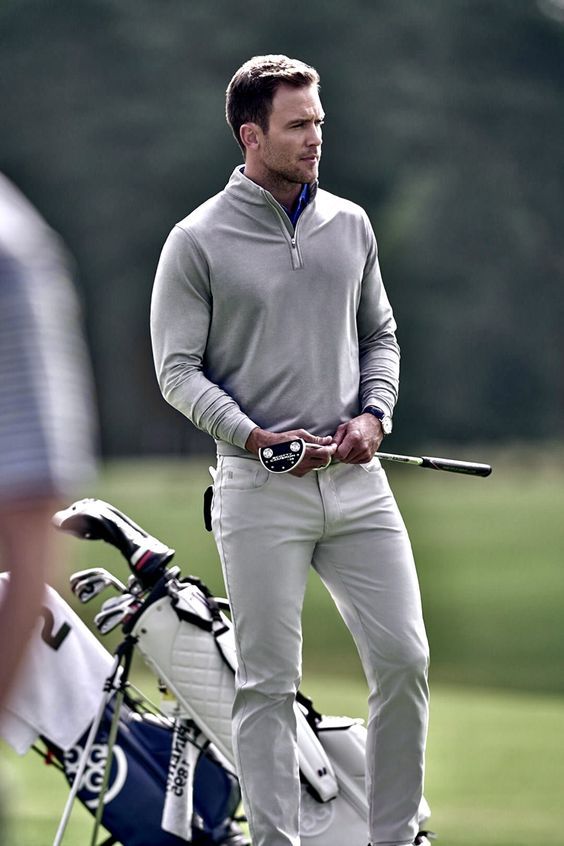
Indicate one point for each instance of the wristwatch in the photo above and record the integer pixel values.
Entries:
(384, 418)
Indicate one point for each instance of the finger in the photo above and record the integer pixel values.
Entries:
(320, 454)
(347, 457)
(353, 447)
(340, 434)
(359, 458)
(306, 467)
(316, 458)
(320, 449)
(324, 440)
(345, 448)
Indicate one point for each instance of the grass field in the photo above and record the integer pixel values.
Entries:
(489, 556)
(494, 769)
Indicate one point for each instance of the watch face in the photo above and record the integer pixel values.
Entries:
(387, 425)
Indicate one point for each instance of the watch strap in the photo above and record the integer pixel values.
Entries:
(373, 409)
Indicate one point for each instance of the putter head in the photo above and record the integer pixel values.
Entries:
(115, 612)
(284, 456)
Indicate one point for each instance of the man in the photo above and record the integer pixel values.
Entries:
(46, 414)
(270, 322)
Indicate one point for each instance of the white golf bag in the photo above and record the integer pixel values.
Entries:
(186, 638)
(63, 706)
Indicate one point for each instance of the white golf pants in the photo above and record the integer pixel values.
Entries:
(344, 522)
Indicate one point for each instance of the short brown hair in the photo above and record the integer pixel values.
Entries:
(250, 92)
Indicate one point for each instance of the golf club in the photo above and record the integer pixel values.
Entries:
(86, 584)
(284, 456)
(115, 611)
(450, 465)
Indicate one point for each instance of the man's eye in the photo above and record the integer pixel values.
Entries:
(304, 123)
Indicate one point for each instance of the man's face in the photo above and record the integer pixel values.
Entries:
(291, 148)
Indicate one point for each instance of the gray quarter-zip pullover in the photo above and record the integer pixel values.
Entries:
(255, 323)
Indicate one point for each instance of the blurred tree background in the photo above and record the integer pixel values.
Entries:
(445, 120)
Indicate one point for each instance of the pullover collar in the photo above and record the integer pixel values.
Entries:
(243, 189)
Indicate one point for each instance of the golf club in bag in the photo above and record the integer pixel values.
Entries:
(64, 706)
(184, 635)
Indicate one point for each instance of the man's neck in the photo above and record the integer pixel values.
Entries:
(284, 192)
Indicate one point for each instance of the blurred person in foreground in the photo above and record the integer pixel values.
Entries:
(270, 322)
(47, 426)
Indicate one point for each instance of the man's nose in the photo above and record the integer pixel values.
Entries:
(314, 136)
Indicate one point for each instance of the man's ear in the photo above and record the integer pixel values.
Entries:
(250, 133)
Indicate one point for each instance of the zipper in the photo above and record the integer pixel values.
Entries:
(297, 261)
(294, 240)
(295, 255)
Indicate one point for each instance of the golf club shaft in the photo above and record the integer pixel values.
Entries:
(450, 465)
(76, 784)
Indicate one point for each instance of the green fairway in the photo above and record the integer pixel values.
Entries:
(494, 770)
(488, 551)
(489, 555)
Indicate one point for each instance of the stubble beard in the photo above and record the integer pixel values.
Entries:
(287, 176)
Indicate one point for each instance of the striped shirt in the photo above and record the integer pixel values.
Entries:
(47, 414)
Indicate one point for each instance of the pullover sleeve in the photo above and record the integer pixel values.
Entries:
(378, 348)
(181, 309)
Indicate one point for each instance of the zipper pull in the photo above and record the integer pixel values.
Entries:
(293, 242)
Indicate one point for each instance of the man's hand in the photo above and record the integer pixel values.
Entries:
(358, 439)
(313, 459)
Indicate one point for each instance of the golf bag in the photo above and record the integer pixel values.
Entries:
(140, 776)
(177, 638)
(155, 765)
(184, 635)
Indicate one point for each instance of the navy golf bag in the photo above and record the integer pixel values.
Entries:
(134, 801)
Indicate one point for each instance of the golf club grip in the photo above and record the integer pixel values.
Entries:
(450, 465)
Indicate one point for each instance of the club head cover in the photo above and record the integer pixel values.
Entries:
(282, 457)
